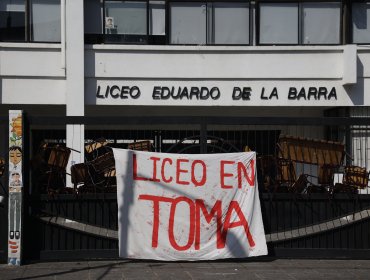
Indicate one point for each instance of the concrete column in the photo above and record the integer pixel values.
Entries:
(75, 58)
(75, 140)
(75, 76)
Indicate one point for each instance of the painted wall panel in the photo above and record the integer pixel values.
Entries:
(28, 60)
(32, 91)
(208, 63)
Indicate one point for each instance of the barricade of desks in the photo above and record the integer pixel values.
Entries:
(279, 173)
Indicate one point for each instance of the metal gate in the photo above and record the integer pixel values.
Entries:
(304, 224)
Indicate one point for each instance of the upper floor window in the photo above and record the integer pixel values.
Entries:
(45, 21)
(130, 21)
(43, 24)
(300, 23)
(12, 20)
(167, 22)
(203, 22)
(225, 23)
(361, 22)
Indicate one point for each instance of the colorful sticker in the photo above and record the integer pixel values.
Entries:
(15, 186)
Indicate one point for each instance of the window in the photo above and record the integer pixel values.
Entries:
(157, 18)
(188, 23)
(12, 20)
(45, 20)
(93, 17)
(361, 23)
(43, 24)
(278, 23)
(225, 23)
(125, 17)
(300, 23)
(132, 21)
(231, 23)
(321, 23)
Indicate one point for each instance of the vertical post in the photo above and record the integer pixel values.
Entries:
(75, 140)
(63, 33)
(75, 78)
(15, 186)
(203, 136)
(348, 139)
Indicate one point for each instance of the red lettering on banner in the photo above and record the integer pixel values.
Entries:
(179, 171)
(194, 224)
(169, 180)
(204, 173)
(223, 174)
(156, 200)
(182, 171)
(241, 172)
(216, 210)
(250, 178)
(155, 159)
(172, 221)
(234, 205)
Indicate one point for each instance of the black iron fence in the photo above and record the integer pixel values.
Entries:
(86, 227)
(299, 220)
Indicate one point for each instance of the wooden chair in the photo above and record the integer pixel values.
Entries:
(286, 175)
(355, 178)
(57, 163)
(267, 172)
(103, 168)
(80, 176)
(96, 148)
(326, 156)
(140, 146)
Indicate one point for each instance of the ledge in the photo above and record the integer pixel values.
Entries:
(176, 48)
(4, 45)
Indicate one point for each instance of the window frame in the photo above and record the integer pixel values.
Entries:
(147, 39)
(28, 27)
(350, 21)
(300, 22)
(168, 20)
(29, 30)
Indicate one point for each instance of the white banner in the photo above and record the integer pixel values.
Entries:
(188, 207)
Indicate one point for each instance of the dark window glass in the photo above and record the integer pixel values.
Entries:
(361, 23)
(12, 20)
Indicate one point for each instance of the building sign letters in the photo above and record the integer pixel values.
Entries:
(214, 93)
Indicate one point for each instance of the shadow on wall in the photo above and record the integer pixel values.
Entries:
(356, 92)
(128, 197)
(91, 79)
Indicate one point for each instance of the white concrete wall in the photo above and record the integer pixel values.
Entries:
(34, 74)
(31, 74)
(211, 62)
(226, 67)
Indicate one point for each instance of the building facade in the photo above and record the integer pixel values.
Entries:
(116, 61)
(177, 58)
